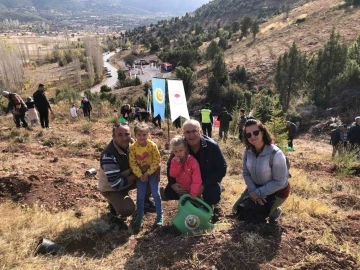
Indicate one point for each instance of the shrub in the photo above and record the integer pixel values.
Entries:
(141, 102)
(86, 128)
(345, 162)
(105, 89)
(66, 92)
(300, 20)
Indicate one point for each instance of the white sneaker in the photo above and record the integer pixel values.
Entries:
(274, 218)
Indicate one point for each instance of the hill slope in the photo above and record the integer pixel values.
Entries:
(277, 35)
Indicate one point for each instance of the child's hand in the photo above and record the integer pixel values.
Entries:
(144, 177)
(177, 159)
(193, 197)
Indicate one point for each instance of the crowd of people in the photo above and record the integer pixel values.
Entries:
(344, 138)
(196, 166)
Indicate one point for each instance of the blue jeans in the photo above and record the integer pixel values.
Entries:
(155, 191)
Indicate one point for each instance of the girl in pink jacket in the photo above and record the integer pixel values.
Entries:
(184, 167)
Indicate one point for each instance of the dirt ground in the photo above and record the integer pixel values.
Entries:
(42, 182)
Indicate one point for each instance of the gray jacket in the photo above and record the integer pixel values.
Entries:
(260, 176)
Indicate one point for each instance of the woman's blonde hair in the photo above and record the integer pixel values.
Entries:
(177, 141)
(139, 127)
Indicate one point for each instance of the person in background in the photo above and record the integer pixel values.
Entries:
(137, 113)
(291, 127)
(18, 108)
(354, 134)
(336, 140)
(32, 113)
(345, 139)
(241, 123)
(224, 118)
(73, 112)
(177, 122)
(125, 112)
(206, 120)
(262, 181)
(157, 121)
(42, 105)
(144, 152)
(86, 107)
(185, 169)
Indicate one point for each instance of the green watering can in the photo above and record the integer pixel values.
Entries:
(193, 215)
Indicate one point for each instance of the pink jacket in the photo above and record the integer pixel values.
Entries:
(187, 174)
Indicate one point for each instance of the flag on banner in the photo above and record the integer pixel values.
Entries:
(177, 100)
(148, 105)
(158, 94)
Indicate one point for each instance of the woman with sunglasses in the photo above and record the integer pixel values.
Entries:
(264, 169)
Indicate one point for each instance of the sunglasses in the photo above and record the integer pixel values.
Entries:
(255, 133)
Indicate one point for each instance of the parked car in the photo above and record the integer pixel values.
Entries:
(108, 75)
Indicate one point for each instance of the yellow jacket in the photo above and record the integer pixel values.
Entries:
(141, 156)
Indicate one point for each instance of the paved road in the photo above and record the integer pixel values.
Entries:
(109, 81)
(148, 72)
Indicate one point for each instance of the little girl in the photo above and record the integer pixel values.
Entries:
(145, 154)
(184, 167)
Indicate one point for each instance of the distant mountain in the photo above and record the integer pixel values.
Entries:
(171, 7)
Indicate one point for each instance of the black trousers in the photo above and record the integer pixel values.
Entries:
(240, 134)
(44, 118)
(206, 128)
(21, 117)
(177, 122)
(157, 121)
(211, 194)
(86, 112)
(290, 142)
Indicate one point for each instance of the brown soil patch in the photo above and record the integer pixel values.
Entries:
(51, 193)
(348, 202)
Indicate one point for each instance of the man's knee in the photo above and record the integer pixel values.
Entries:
(212, 194)
(170, 194)
(126, 209)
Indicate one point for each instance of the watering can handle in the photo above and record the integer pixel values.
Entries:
(186, 197)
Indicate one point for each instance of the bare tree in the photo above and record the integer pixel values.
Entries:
(90, 68)
(77, 68)
(66, 37)
(93, 50)
(11, 67)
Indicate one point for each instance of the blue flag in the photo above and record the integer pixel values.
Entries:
(158, 92)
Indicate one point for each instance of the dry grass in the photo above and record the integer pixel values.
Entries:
(21, 226)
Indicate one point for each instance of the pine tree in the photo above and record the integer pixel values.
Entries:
(255, 28)
(188, 78)
(326, 66)
(354, 51)
(290, 75)
(245, 25)
(212, 50)
(219, 70)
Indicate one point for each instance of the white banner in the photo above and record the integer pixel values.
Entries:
(177, 100)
